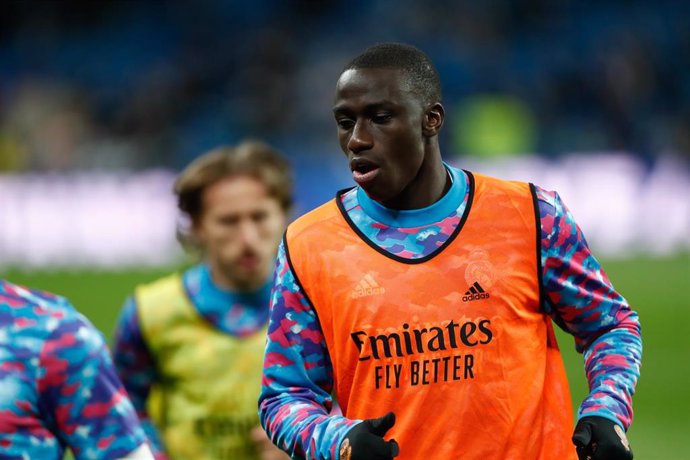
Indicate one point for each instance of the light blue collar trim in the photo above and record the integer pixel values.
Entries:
(418, 217)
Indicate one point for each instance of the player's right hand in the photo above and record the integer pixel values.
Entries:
(597, 438)
(365, 440)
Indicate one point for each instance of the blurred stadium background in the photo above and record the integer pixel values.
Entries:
(102, 102)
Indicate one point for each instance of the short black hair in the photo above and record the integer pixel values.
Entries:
(421, 71)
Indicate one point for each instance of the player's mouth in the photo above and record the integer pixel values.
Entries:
(249, 261)
(363, 170)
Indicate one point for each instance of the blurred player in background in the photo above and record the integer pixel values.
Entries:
(188, 347)
(58, 387)
(425, 296)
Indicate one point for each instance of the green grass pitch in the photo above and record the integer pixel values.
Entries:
(658, 288)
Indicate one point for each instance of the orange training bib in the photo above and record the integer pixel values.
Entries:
(455, 343)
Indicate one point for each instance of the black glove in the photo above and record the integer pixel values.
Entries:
(365, 440)
(598, 438)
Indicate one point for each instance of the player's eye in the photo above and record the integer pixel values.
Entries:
(345, 123)
(381, 118)
(259, 216)
(229, 220)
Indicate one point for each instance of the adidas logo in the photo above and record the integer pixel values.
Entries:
(475, 293)
(367, 286)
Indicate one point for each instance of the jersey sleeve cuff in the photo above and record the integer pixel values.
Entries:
(601, 413)
(342, 432)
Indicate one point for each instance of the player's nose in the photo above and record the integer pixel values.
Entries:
(248, 233)
(360, 139)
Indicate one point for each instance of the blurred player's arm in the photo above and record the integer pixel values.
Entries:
(297, 381)
(136, 368)
(81, 395)
(581, 300)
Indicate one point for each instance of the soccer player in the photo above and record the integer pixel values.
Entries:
(424, 299)
(189, 346)
(58, 387)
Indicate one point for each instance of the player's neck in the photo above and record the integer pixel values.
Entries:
(431, 184)
(225, 282)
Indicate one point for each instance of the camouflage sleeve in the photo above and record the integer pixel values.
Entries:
(136, 368)
(582, 301)
(297, 380)
(81, 396)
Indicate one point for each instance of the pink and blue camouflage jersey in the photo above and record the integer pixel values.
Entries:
(298, 374)
(237, 314)
(58, 387)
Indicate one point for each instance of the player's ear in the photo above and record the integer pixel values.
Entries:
(196, 231)
(433, 119)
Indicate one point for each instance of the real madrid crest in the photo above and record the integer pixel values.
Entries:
(480, 269)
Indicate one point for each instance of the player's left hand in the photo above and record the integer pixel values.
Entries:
(598, 438)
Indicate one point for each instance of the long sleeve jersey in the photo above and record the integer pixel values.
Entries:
(236, 314)
(58, 387)
(298, 374)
